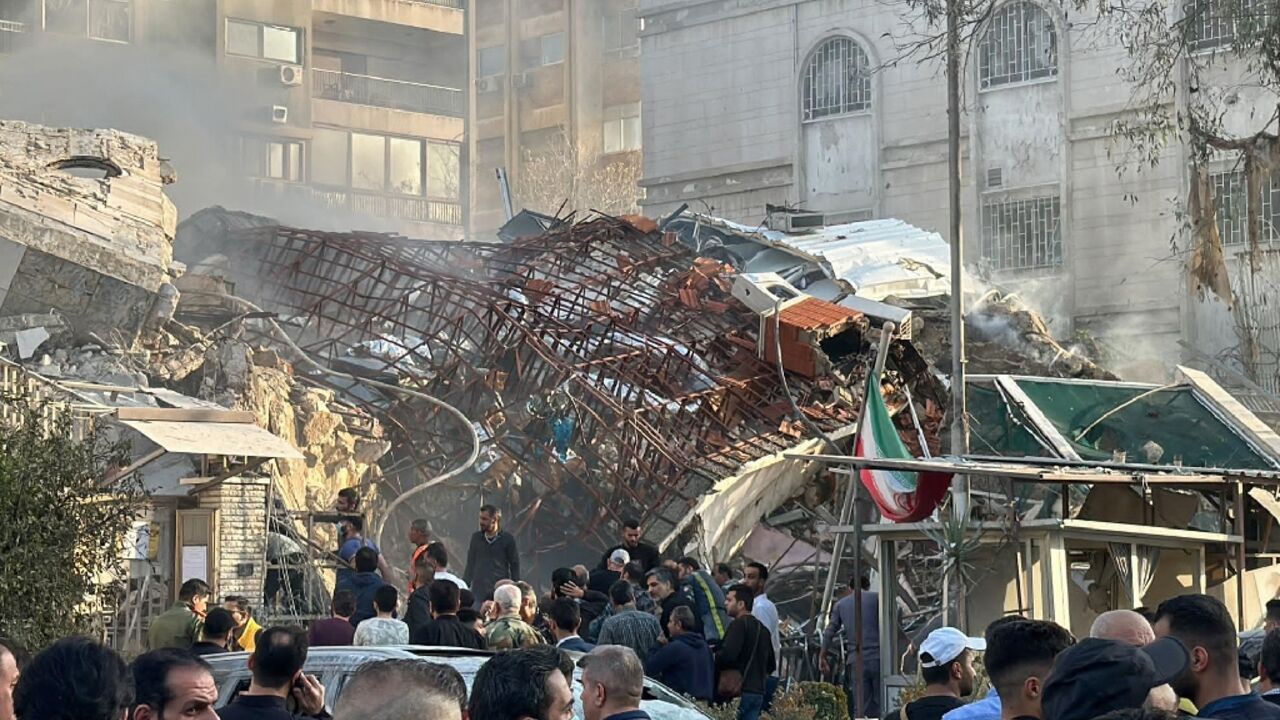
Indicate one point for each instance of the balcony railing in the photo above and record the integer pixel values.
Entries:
(414, 209)
(394, 94)
(460, 4)
(9, 31)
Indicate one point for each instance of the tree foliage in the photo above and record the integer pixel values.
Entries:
(61, 526)
(566, 177)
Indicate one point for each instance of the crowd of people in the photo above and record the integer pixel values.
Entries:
(80, 679)
(706, 634)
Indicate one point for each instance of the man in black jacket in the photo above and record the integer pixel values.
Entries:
(276, 664)
(747, 649)
(664, 589)
(642, 552)
(492, 555)
(446, 629)
(418, 611)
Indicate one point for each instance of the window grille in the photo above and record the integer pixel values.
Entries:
(1212, 24)
(1231, 205)
(1019, 45)
(837, 80)
(1022, 234)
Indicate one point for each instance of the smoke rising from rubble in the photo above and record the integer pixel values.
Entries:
(168, 94)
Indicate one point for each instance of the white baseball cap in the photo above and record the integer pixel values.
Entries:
(945, 644)
(620, 556)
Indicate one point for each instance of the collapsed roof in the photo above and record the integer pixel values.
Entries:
(609, 370)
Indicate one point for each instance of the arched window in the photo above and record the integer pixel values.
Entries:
(837, 80)
(1019, 45)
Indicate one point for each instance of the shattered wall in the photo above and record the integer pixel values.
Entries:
(95, 249)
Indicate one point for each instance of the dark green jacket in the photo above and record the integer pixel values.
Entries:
(177, 627)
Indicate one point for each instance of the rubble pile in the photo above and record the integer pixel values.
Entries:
(609, 370)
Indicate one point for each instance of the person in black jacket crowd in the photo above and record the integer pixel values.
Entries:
(638, 551)
(276, 664)
(417, 613)
(1269, 668)
(684, 664)
(946, 666)
(747, 649)
(664, 588)
(445, 629)
(492, 555)
(364, 582)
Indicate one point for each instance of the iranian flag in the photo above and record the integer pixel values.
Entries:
(902, 496)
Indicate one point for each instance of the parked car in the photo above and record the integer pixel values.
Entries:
(334, 666)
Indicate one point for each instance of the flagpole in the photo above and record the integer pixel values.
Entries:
(846, 515)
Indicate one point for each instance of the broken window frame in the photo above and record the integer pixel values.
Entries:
(1022, 36)
(1206, 30)
(1023, 232)
(261, 50)
(836, 80)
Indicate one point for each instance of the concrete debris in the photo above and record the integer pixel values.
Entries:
(85, 227)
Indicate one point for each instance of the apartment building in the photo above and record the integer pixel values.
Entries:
(555, 79)
(351, 113)
(814, 105)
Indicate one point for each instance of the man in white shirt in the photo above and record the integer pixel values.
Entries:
(440, 558)
(383, 629)
(756, 577)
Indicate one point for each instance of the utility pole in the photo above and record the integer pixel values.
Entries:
(959, 408)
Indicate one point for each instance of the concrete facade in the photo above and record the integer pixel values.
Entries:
(86, 230)
(545, 67)
(726, 128)
(347, 113)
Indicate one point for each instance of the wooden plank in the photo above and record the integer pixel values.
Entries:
(187, 415)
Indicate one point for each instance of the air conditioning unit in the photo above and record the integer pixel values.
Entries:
(490, 84)
(291, 75)
(279, 114)
(522, 80)
(796, 222)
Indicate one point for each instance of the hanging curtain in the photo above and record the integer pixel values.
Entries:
(1143, 573)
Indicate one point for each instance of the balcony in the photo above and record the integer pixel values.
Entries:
(459, 4)
(393, 94)
(9, 31)
(437, 16)
(407, 208)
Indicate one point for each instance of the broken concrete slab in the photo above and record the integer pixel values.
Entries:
(85, 226)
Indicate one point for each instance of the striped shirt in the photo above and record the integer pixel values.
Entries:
(631, 628)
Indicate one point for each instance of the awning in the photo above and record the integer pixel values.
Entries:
(214, 438)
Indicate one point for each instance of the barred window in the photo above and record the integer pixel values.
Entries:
(837, 80)
(1019, 45)
(1232, 205)
(1022, 234)
(1212, 24)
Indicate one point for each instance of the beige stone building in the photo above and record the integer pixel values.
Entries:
(345, 112)
(556, 97)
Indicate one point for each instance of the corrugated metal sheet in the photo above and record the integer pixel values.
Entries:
(877, 258)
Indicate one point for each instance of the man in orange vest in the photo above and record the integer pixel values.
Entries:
(420, 537)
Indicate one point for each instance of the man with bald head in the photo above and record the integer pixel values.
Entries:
(612, 682)
(1131, 628)
(402, 690)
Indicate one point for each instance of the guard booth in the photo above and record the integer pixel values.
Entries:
(1086, 496)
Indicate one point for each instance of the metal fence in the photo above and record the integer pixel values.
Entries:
(1019, 45)
(382, 92)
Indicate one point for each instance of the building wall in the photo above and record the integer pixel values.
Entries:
(241, 535)
(524, 105)
(726, 128)
(393, 68)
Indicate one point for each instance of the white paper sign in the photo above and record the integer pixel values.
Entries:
(195, 562)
